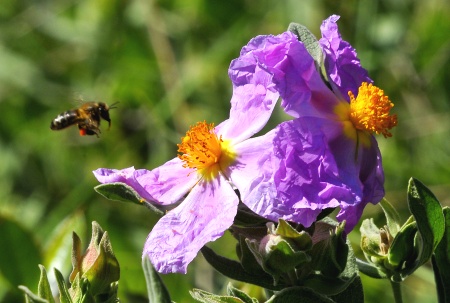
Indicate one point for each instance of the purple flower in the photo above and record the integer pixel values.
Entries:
(327, 157)
(346, 124)
(289, 163)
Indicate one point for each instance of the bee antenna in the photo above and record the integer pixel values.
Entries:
(114, 105)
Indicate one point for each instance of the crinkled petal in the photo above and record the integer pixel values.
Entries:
(168, 183)
(301, 87)
(298, 176)
(127, 176)
(251, 107)
(365, 173)
(254, 94)
(341, 61)
(262, 51)
(204, 215)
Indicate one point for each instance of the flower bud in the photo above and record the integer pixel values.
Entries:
(391, 255)
(97, 270)
(282, 249)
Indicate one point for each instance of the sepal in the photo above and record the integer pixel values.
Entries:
(281, 250)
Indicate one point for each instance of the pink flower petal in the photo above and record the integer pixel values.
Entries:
(204, 216)
(126, 176)
(168, 183)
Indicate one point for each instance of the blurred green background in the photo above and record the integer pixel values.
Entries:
(166, 62)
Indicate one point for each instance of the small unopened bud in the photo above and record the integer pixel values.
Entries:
(282, 249)
(97, 267)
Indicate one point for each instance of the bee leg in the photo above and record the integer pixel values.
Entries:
(86, 130)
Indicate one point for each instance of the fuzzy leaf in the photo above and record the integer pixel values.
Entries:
(299, 294)
(30, 296)
(64, 296)
(44, 290)
(331, 285)
(232, 291)
(157, 291)
(309, 40)
(427, 211)
(206, 297)
(352, 294)
(402, 248)
(234, 270)
(370, 270)
(441, 262)
(330, 250)
(119, 191)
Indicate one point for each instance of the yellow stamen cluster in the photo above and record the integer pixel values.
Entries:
(200, 148)
(369, 111)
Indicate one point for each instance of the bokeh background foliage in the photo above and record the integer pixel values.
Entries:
(166, 63)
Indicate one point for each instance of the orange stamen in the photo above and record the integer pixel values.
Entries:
(369, 111)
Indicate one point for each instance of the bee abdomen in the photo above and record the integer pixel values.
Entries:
(64, 120)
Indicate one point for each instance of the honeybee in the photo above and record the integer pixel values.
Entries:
(87, 117)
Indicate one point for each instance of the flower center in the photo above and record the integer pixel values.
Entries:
(369, 111)
(203, 150)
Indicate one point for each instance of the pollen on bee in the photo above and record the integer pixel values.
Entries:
(82, 132)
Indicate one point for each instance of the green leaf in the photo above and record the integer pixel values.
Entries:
(330, 250)
(234, 292)
(245, 217)
(30, 296)
(370, 270)
(247, 259)
(331, 285)
(392, 217)
(157, 291)
(302, 239)
(206, 297)
(44, 290)
(352, 294)
(299, 294)
(281, 259)
(20, 253)
(64, 296)
(441, 262)
(402, 248)
(309, 40)
(119, 191)
(234, 270)
(427, 211)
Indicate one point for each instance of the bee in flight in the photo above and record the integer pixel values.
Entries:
(87, 117)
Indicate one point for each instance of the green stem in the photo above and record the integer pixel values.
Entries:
(397, 290)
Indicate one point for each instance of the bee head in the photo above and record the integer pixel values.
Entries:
(104, 111)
